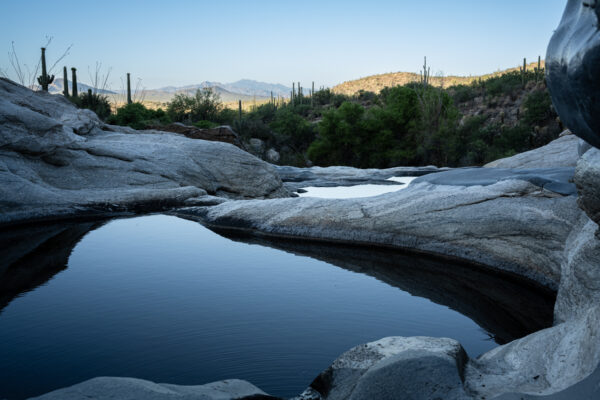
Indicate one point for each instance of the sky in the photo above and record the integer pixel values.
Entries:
(182, 42)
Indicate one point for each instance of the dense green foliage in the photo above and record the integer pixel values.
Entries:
(414, 124)
(137, 116)
(205, 105)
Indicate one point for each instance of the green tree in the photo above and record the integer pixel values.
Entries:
(204, 105)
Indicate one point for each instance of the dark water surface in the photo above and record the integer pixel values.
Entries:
(166, 299)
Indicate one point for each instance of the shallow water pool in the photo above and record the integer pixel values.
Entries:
(166, 299)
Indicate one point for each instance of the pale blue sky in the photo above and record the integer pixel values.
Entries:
(328, 41)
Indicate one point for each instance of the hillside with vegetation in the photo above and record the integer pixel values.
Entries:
(414, 124)
(376, 83)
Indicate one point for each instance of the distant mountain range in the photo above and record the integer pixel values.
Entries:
(245, 90)
(58, 86)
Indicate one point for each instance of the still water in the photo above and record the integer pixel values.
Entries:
(166, 299)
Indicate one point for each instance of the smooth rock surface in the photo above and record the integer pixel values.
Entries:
(512, 225)
(573, 68)
(396, 368)
(105, 388)
(295, 178)
(557, 180)
(56, 160)
(587, 179)
(562, 152)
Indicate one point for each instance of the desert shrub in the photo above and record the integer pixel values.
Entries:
(96, 102)
(204, 105)
(538, 107)
(352, 135)
(462, 93)
(137, 116)
(291, 129)
(205, 124)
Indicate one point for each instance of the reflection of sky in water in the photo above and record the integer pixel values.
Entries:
(168, 300)
(347, 192)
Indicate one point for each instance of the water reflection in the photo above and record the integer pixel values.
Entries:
(507, 307)
(166, 299)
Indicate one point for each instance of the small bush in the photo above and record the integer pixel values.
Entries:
(137, 116)
(96, 102)
(205, 105)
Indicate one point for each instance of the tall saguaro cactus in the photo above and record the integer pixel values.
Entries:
(65, 82)
(128, 89)
(523, 71)
(44, 80)
(74, 81)
(240, 109)
(425, 73)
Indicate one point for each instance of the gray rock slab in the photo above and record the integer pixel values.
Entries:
(58, 160)
(587, 389)
(396, 368)
(512, 225)
(295, 178)
(562, 152)
(558, 180)
(105, 388)
(587, 179)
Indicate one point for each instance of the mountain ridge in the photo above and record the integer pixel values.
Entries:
(375, 83)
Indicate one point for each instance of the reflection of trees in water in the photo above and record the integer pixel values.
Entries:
(31, 255)
(506, 307)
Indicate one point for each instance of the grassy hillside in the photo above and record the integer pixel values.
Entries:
(375, 83)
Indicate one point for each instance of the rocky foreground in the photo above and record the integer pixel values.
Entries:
(58, 161)
(534, 216)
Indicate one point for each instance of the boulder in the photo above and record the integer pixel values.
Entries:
(396, 368)
(562, 152)
(105, 388)
(573, 68)
(272, 156)
(57, 160)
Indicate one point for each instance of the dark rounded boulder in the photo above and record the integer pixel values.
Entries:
(573, 69)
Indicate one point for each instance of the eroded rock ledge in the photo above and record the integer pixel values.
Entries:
(58, 161)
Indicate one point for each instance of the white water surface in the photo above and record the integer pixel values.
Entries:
(357, 191)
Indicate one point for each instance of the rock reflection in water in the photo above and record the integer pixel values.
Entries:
(506, 306)
(30, 255)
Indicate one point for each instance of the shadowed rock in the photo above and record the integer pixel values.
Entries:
(573, 68)
(505, 306)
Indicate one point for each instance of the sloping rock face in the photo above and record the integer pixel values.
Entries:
(573, 68)
(562, 152)
(512, 225)
(57, 160)
(587, 178)
(105, 388)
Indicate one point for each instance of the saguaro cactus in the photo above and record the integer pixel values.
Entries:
(523, 71)
(128, 89)
(44, 80)
(240, 108)
(65, 82)
(425, 73)
(74, 81)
